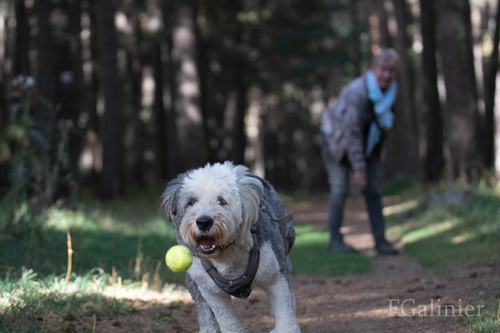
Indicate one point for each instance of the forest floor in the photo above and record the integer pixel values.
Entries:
(397, 295)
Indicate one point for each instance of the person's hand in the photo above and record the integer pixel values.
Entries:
(360, 179)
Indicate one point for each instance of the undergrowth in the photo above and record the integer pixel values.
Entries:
(116, 248)
(454, 231)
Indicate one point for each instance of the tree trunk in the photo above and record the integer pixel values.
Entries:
(431, 106)
(46, 76)
(455, 45)
(130, 71)
(401, 155)
(403, 140)
(190, 145)
(21, 50)
(379, 22)
(161, 135)
(110, 131)
(56, 102)
(489, 96)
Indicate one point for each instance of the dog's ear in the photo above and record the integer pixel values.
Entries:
(251, 193)
(170, 201)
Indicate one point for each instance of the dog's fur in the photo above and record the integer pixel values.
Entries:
(234, 200)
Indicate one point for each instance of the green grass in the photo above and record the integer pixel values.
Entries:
(30, 303)
(30, 300)
(488, 322)
(451, 236)
(118, 247)
(309, 255)
(128, 236)
(399, 185)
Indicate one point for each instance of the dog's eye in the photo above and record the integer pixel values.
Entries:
(191, 202)
(221, 201)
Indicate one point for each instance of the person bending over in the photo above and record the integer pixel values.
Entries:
(353, 130)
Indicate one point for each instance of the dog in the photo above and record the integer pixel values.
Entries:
(240, 234)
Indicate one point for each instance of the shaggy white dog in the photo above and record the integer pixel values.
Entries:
(240, 235)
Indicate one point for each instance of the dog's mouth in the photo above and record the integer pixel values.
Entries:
(206, 246)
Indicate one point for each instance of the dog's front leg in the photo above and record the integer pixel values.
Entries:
(206, 318)
(282, 304)
(224, 312)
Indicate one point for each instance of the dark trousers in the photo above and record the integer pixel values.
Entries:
(338, 177)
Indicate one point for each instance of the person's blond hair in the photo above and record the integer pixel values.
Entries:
(387, 56)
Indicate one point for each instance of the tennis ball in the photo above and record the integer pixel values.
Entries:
(179, 258)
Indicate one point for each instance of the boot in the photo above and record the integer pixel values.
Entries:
(338, 246)
(384, 247)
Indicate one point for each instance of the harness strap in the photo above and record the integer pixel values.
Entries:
(239, 287)
(242, 287)
(284, 219)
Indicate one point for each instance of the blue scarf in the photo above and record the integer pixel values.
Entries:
(382, 105)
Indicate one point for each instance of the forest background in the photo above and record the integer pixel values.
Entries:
(108, 96)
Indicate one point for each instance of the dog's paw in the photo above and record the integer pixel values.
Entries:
(289, 329)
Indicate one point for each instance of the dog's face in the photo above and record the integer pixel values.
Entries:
(213, 207)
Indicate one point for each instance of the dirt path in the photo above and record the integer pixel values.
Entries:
(372, 302)
(398, 295)
(360, 303)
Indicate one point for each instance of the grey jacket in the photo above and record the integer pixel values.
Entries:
(345, 124)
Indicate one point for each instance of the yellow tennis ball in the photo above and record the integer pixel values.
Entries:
(179, 258)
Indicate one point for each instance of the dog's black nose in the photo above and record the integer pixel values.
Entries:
(204, 223)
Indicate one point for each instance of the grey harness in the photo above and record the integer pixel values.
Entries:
(242, 287)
